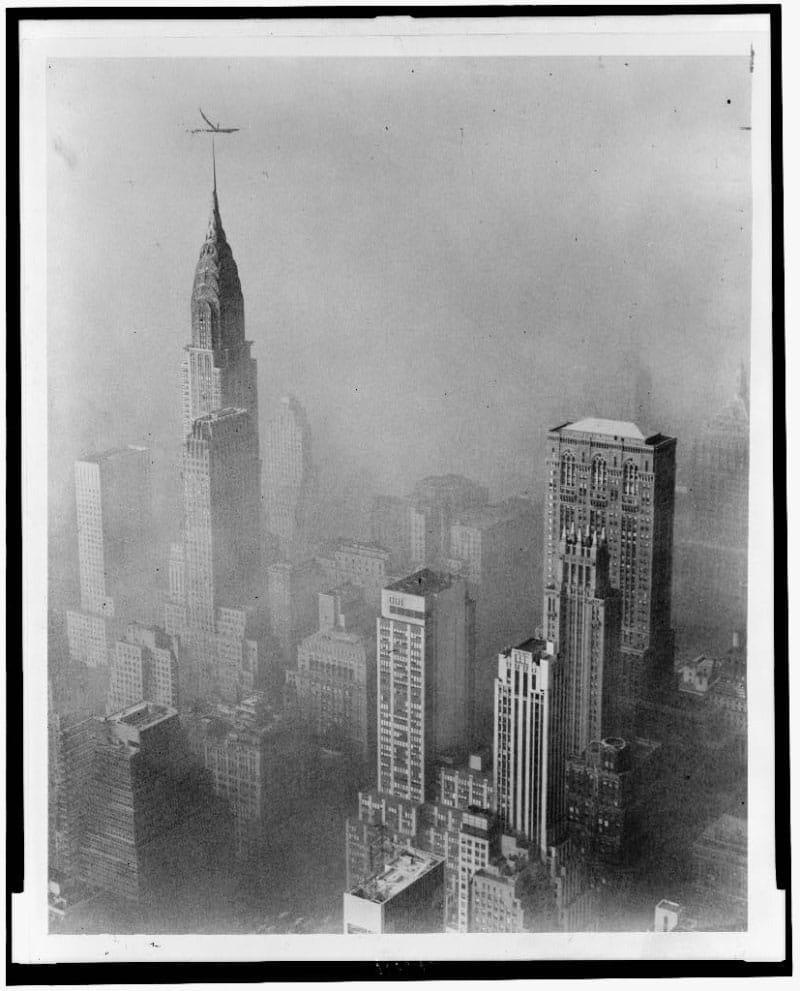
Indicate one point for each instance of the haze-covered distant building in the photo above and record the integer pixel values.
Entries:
(362, 565)
(114, 513)
(435, 502)
(712, 525)
(292, 605)
(719, 868)
(608, 475)
(332, 689)
(530, 742)
(495, 548)
(425, 663)
(390, 527)
(256, 761)
(405, 896)
(290, 478)
(145, 669)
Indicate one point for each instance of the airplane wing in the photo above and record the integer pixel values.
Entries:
(205, 118)
(228, 130)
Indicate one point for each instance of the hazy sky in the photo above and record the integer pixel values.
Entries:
(439, 257)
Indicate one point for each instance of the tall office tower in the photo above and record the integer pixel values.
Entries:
(145, 669)
(290, 478)
(605, 474)
(222, 502)
(218, 370)
(390, 527)
(257, 762)
(332, 690)
(495, 549)
(141, 795)
(530, 742)
(70, 759)
(609, 794)
(435, 502)
(406, 896)
(711, 530)
(581, 617)
(114, 511)
(426, 652)
(352, 562)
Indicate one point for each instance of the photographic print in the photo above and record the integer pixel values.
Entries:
(395, 410)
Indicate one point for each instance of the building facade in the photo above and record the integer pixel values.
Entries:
(333, 687)
(530, 742)
(290, 478)
(145, 669)
(582, 618)
(425, 664)
(607, 475)
(114, 514)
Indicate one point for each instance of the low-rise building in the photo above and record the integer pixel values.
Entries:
(406, 896)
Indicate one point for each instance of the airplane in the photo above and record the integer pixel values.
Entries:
(212, 128)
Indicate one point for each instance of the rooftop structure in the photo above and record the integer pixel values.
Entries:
(406, 868)
(423, 582)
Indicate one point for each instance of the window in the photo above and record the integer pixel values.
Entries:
(630, 479)
(599, 472)
(568, 469)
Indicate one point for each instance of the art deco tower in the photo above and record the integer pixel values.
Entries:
(218, 371)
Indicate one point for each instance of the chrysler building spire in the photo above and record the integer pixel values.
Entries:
(219, 371)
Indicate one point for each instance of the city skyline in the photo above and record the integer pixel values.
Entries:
(410, 610)
(570, 319)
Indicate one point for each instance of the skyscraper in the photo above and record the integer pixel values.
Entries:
(425, 663)
(112, 495)
(218, 371)
(606, 474)
(530, 745)
(215, 603)
(290, 477)
(581, 617)
(222, 501)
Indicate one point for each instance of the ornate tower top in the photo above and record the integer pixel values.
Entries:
(217, 302)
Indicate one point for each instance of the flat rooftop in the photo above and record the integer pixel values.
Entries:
(403, 870)
(490, 515)
(143, 714)
(424, 582)
(113, 454)
(616, 429)
(531, 646)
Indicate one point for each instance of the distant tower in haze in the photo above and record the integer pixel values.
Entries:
(113, 501)
(218, 371)
(607, 475)
(290, 477)
(581, 618)
(711, 544)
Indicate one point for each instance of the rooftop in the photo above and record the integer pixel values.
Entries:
(614, 428)
(424, 582)
(113, 454)
(531, 646)
(403, 870)
(142, 714)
